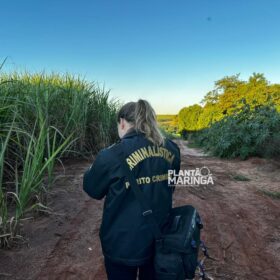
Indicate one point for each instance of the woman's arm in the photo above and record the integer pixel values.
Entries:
(96, 178)
(177, 163)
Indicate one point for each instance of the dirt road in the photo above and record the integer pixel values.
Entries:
(241, 224)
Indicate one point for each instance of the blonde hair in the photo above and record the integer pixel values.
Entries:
(143, 118)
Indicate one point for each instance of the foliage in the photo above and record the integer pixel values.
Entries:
(169, 135)
(188, 118)
(247, 132)
(228, 96)
(168, 123)
(44, 118)
(240, 177)
(272, 194)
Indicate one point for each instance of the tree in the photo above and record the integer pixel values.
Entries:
(212, 97)
(188, 118)
(227, 98)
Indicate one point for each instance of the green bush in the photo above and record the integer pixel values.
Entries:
(247, 132)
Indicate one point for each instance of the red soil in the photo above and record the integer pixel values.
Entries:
(241, 224)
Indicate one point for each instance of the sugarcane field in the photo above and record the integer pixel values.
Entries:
(139, 140)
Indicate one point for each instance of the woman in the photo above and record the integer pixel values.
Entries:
(126, 239)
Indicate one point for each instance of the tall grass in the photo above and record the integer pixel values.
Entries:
(43, 119)
(34, 166)
(3, 200)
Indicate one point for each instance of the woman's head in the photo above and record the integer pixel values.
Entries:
(141, 116)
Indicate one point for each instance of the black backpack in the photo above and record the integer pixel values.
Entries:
(177, 242)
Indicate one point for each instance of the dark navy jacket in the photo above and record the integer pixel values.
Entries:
(125, 235)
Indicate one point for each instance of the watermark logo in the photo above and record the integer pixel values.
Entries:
(190, 177)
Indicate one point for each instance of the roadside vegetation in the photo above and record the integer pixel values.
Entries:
(43, 120)
(272, 194)
(169, 125)
(237, 119)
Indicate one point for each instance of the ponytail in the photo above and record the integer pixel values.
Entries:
(143, 117)
(146, 122)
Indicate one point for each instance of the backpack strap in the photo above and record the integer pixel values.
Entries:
(146, 209)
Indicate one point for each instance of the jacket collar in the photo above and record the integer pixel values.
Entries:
(131, 132)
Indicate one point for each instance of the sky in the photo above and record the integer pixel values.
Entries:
(169, 52)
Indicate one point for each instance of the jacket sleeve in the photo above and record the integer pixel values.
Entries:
(177, 163)
(96, 179)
